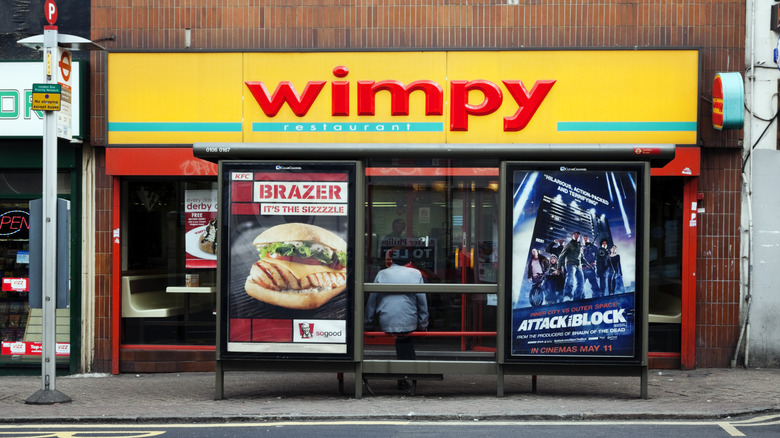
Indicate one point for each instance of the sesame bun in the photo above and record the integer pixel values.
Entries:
(300, 232)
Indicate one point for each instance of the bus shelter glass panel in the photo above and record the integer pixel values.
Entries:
(440, 218)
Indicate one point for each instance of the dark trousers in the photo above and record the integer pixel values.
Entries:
(404, 348)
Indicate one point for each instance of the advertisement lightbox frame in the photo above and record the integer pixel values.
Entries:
(556, 330)
(269, 331)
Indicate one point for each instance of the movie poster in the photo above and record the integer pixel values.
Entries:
(287, 281)
(573, 239)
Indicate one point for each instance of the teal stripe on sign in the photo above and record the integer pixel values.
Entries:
(298, 127)
(625, 126)
(174, 126)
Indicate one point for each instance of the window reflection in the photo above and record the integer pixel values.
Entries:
(443, 218)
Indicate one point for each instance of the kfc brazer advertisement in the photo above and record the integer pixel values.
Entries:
(288, 271)
(574, 237)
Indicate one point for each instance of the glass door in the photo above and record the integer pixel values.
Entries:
(666, 264)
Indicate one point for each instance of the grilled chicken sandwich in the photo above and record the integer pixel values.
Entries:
(301, 266)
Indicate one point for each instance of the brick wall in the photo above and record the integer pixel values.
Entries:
(717, 27)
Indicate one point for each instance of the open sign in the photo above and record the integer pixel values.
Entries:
(15, 224)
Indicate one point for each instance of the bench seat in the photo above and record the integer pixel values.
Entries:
(144, 296)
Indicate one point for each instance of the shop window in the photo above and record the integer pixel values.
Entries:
(13, 184)
(14, 270)
(168, 284)
(19, 324)
(443, 218)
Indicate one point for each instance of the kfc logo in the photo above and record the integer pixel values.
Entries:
(306, 330)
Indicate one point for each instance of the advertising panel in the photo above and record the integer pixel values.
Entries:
(200, 227)
(575, 274)
(462, 97)
(20, 348)
(17, 117)
(14, 224)
(288, 266)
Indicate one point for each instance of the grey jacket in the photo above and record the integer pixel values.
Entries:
(398, 313)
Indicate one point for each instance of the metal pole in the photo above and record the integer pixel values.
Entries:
(48, 393)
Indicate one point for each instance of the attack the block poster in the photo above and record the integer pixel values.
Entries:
(574, 281)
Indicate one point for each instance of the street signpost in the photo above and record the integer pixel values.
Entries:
(57, 68)
(48, 394)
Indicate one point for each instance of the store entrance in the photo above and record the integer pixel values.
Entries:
(444, 220)
(666, 265)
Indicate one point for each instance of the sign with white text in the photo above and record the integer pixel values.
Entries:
(17, 116)
(288, 264)
(10, 348)
(575, 245)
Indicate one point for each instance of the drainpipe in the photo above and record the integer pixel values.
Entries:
(750, 182)
(748, 178)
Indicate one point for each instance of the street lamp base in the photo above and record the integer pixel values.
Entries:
(48, 397)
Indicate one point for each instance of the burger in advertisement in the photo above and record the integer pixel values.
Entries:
(301, 266)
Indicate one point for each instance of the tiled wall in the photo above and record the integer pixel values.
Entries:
(717, 27)
(717, 289)
(103, 198)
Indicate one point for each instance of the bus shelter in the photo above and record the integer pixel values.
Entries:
(482, 223)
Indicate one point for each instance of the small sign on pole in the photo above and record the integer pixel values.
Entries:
(46, 97)
(50, 12)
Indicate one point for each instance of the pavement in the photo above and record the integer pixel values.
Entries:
(295, 396)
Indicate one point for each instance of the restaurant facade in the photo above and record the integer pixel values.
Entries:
(430, 131)
(528, 105)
